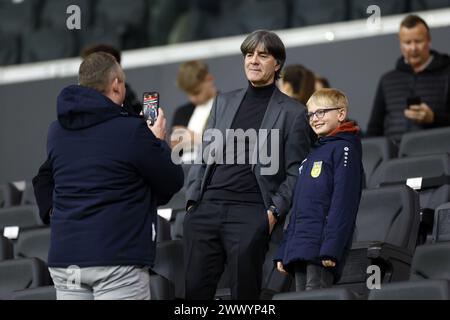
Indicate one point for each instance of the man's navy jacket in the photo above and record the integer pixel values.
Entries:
(110, 172)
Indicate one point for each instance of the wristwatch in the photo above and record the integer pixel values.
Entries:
(274, 211)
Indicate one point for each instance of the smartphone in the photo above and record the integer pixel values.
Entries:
(150, 106)
(413, 100)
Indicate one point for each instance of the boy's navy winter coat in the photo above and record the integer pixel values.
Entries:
(110, 173)
(325, 203)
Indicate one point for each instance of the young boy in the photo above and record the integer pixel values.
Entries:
(326, 197)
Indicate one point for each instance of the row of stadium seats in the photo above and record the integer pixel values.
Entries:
(35, 30)
(429, 279)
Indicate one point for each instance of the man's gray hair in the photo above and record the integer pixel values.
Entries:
(98, 70)
(271, 43)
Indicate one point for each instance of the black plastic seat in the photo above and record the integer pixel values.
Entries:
(41, 293)
(425, 142)
(20, 216)
(375, 152)
(441, 227)
(417, 290)
(19, 274)
(385, 235)
(33, 243)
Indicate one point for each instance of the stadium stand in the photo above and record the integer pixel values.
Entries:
(323, 294)
(419, 290)
(41, 293)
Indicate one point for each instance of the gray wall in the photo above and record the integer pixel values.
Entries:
(353, 66)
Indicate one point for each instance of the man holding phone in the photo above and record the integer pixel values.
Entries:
(416, 95)
(105, 175)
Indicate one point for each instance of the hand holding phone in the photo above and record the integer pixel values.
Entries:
(414, 100)
(150, 106)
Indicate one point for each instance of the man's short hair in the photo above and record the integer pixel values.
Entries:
(329, 97)
(413, 20)
(191, 74)
(271, 43)
(98, 70)
(102, 47)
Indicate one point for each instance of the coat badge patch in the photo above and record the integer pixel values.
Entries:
(316, 169)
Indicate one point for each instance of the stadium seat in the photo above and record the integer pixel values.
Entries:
(170, 267)
(376, 151)
(41, 293)
(9, 51)
(429, 278)
(33, 243)
(425, 142)
(18, 17)
(48, 44)
(54, 13)
(434, 169)
(441, 226)
(358, 8)
(28, 197)
(386, 233)
(19, 274)
(322, 294)
(305, 12)
(6, 249)
(127, 21)
(413, 290)
(434, 189)
(9, 195)
(420, 5)
(20, 216)
(431, 261)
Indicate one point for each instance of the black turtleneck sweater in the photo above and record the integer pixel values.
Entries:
(237, 182)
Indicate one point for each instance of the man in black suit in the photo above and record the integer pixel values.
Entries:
(234, 206)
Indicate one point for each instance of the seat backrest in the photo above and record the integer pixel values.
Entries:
(6, 249)
(425, 142)
(169, 264)
(54, 13)
(413, 290)
(399, 170)
(48, 44)
(21, 216)
(19, 274)
(431, 261)
(17, 17)
(304, 12)
(376, 151)
(388, 214)
(133, 14)
(41, 293)
(28, 197)
(441, 227)
(358, 8)
(33, 243)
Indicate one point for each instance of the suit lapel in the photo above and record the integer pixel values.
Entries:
(270, 117)
(229, 111)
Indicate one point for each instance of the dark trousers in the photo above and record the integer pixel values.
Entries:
(310, 276)
(218, 233)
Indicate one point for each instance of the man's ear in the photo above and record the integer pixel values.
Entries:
(115, 85)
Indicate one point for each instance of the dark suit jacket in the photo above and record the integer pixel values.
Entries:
(283, 113)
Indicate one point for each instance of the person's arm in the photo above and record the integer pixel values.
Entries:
(347, 179)
(376, 121)
(296, 149)
(43, 185)
(152, 159)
